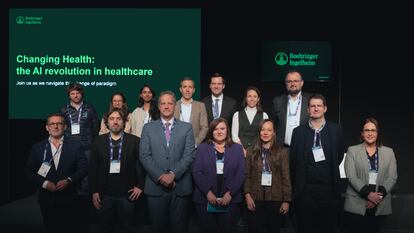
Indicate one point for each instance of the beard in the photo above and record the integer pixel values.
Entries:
(116, 129)
(294, 92)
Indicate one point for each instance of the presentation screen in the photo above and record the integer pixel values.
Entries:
(106, 50)
(312, 58)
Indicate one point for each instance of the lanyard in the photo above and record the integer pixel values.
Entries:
(376, 162)
(317, 135)
(266, 166)
(79, 115)
(111, 146)
(215, 154)
(297, 107)
(53, 155)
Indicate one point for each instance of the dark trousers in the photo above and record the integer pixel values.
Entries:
(218, 222)
(317, 210)
(355, 223)
(169, 213)
(116, 208)
(60, 216)
(265, 218)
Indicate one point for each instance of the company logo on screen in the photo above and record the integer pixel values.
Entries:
(29, 20)
(281, 59)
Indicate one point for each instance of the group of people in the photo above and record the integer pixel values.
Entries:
(208, 153)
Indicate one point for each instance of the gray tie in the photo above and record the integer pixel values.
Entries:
(216, 109)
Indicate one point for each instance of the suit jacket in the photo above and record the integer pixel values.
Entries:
(72, 163)
(356, 169)
(332, 144)
(137, 121)
(205, 173)
(228, 108)
(131, 170)
(281, 189)
(157, 158)
(280, 112)
(198, 119)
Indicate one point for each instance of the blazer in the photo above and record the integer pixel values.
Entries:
(157, 158)
(228, 108)
(198, 119)
(356, 169)
(280, 112)
(137, 121)
(131, 170)
(281, 189)
(205, 174)
(332, 143)
(72, 163)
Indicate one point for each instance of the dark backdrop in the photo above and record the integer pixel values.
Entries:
(372, 47)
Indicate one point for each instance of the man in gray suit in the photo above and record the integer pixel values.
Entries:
(166, 153)
(192, 111)
(289, 111)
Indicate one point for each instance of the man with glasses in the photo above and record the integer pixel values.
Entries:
(316, 151)
(56, 165)
(289, 110)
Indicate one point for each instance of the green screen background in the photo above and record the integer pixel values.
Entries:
(164, 40)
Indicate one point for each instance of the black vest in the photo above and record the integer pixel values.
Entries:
(248, 132)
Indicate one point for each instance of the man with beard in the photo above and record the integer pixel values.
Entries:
(116, 176)
(290, 110)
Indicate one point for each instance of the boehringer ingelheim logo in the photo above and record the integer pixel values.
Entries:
(281, 59)
(20, 20)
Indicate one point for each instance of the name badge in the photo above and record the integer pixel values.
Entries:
(115, 167)
(373, 177)
(219, 166)
(266, 178)
(292, 121)
(318, 154)
(44, 169)
(75, 128)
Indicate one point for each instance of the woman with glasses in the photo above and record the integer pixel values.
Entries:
(117, 101)
(371, 170)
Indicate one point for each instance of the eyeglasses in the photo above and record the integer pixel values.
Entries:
(292, 81)
(59, 124)
(369, 130)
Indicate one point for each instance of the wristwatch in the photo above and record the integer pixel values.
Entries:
(69, 180)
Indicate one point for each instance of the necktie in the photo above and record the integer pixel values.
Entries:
(318, 139)
(167, 131)
(216, 109)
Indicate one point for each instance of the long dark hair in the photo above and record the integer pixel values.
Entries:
(154, 112)
(274, 146)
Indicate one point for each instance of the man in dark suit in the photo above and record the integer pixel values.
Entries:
(116, 176)
(55, 166)
(218, 105)
(290, 110)
(166, 152)
(316, 151)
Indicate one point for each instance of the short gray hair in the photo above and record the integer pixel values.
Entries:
(167, 93)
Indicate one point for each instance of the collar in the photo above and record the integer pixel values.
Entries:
(220, 97)
(182, 102)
